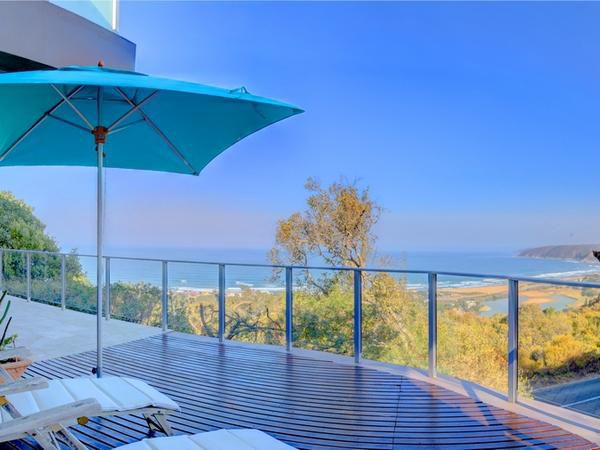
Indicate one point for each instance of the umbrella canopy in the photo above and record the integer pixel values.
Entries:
(65, 117)
(153, 123)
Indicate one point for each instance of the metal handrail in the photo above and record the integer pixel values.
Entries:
(432, 295)
(553, 281)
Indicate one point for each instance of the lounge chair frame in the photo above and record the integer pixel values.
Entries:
(49, 426)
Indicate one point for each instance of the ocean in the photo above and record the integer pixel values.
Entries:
(205, 276)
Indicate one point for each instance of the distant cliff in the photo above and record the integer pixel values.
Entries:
(583, 253)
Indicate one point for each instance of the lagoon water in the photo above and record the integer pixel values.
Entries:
(205, 276)
(500, 306)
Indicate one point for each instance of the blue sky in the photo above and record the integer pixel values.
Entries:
(475, 125)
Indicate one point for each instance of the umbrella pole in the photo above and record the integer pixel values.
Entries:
(99, 262)
(100, 134)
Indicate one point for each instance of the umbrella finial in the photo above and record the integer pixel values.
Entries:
(101, 63)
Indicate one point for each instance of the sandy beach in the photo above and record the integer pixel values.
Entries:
(530, 293)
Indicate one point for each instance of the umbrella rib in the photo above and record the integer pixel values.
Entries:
(158, 131)
(132, 110)
(73, 107)
(124, 127)
(68, 122)
(38, 122)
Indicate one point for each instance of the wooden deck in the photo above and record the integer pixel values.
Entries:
(310, 404)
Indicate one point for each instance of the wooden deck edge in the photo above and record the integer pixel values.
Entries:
(585, 426)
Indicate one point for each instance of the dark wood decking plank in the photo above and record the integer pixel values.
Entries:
(310, 404)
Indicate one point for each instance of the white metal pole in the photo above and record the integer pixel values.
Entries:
(99, 261)
(28, 263)
(432, 324)
(357, 316)
(100, 238)
(222, 294)
(165, 296)
(289, 308)
(107, 288)
(63, 282)
(513, 340)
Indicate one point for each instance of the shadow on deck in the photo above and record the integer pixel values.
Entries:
(308, 403)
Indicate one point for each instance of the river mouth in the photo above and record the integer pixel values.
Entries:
(500, 305)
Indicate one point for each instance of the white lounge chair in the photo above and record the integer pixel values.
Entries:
(49, 407)
(49, 424)
(43, 410)
(212, 440)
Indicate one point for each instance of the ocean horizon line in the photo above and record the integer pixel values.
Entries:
(193, 276)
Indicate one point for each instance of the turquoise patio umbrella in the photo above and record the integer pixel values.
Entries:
(101, 117)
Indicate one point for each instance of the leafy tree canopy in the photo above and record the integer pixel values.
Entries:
(20, 228)
(337, 226)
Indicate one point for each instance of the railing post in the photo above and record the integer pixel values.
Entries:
(28, 262)
(165, 296)
(63, 282)
(107, 288)
(357, 315)
(1, 269)
(513, 340)
(289, 309)
(432, 324)
(222, 291)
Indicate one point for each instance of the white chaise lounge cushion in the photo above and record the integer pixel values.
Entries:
(212, 440)
(114, 394)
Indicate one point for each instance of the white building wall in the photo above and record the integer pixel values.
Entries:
(48, 34)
